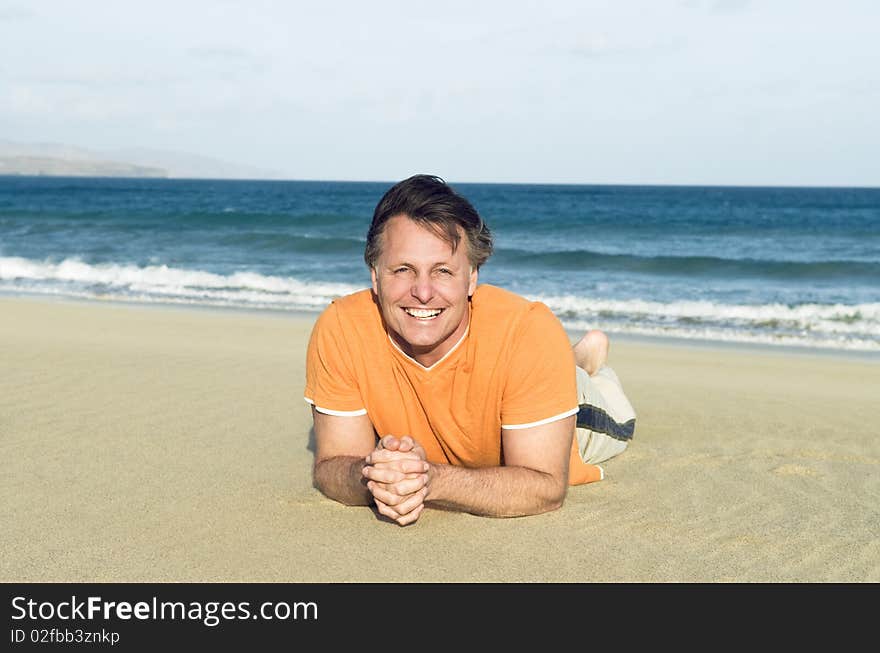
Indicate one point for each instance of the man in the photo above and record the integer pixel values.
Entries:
(431, 390)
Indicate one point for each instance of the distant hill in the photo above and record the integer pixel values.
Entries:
(183, 164)
(67, 160)
(44, 165)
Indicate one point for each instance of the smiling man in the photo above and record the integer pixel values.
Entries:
(428, 389)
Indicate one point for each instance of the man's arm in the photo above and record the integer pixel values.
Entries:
(341, 445)
(533, 479)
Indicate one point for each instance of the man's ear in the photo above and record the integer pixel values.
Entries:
(472, 286)
(375, 280)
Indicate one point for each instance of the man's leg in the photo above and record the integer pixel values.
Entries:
(591, 351)
(606, 419)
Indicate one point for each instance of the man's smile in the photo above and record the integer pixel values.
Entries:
(423, 313)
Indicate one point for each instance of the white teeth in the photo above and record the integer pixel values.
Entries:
(423, 313)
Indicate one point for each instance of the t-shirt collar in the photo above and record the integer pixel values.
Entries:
(445, 356)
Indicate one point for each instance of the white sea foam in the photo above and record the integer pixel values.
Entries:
(815, 325)
(162, 283)
(839, 326)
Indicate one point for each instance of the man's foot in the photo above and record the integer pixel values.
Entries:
(591, 351)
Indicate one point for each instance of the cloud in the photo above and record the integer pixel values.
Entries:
(224, 53)
(717, 6)
(724, 6)
(14, 13)
(225, 62)
(589, 45)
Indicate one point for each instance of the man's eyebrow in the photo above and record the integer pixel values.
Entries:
(445, 264)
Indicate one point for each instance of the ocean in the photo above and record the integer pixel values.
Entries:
(775, 266)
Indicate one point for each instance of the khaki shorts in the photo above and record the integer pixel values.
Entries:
(605, 421)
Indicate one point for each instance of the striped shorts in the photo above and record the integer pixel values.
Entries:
(605, 421)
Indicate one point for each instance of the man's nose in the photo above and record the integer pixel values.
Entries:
(422, 289)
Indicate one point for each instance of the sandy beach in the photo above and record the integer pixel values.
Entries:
(169, 445)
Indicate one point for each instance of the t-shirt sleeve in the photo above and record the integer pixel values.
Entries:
(541, 386)
(331, 385)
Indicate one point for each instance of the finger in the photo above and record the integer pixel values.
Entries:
(403, 465)
(411, 466)
(390, 485)
(387, 510)
(382, 474)
(392, 473)
(382, 494)
(393, 454)
(411, 502)
(416, 448)
(404, 487)
(389, 442)
(409, 486)
(411, 517)
(402, 503)
(386, 455)
(414, 506)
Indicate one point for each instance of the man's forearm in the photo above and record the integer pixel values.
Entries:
(495, 491)
(341, 479)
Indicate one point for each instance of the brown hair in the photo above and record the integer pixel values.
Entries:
(433, 204)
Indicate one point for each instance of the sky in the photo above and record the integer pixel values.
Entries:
(706, 92)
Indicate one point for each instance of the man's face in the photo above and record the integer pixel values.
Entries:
(423, 289)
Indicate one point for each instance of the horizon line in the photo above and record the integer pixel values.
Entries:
(456, 183)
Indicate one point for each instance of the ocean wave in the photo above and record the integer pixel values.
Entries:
(163, 283)
(849, 326)
(729, 335)
(704, 266)
(298, 243)
(838, 326)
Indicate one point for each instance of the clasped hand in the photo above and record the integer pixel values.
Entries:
(397, 476)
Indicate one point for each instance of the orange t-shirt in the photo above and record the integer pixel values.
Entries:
(514, 368)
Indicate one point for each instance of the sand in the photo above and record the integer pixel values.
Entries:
(146, 444)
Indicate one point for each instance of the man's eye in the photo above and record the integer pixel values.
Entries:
(444, 271)
(399, 270)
